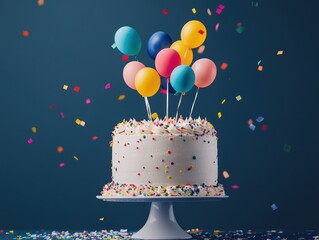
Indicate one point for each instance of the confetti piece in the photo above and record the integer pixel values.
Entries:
(225, 174)
(201, 32)
(95, 138)
(224, 66)
(194, 10)
(121, 97)
(82, 123)
(201, 49)
(240, 29)
(219, 9)
(216, 232)
(216, 26)
(224, 100)
(125, 58)
(219, 114)
(88, 101)
(260, 119)
(25, 33)
(76, 89)
(250, 121)
(260, 68)
(11, 231)
(78, 121)
(274, 207)
(34, 129)
(113, 46)
(254, 4)
(259, 62)
(101, 219)
(65, 87)
(62, 114)
(52, 106)
(163, 91)
(238, 98)
(165, 11)
(235, 187)
(252, 127)
(30, 141)
(264, 127)
(1, 231)
(209, 12)
(287, 148)
(280, 52)
(60, 149)
(40, 3)
(76, 158)
(107, 86)
(154, 115)
(61, 164)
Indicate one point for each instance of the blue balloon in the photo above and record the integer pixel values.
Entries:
(163, 85)
(182, 78)
(128, 41)
(157, 42)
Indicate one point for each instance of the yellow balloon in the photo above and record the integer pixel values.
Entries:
(193, 34)
(184, 52)
(147, 82)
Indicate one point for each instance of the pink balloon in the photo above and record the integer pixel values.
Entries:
(205, 72)
(130, 71)
(166, 60)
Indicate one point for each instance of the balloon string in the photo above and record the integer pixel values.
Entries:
(148, 108)
(167, 96)
(179, 104)
(190, 115)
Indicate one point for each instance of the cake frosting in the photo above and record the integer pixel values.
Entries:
(166, 157)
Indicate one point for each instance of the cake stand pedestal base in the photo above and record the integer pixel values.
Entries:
(161, 224)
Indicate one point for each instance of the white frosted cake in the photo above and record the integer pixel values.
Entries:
(164, 158)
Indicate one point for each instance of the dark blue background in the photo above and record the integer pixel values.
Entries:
(70, 43)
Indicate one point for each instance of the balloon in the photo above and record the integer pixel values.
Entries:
(163, 86)
(147, 82)
(193, 34)
(128, 41)
(166, 60)
(157, 42)
(184, 52)
(129, 73)
(182, 78)
(205, 72)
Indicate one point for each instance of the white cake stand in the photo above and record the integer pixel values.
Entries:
(161, 222)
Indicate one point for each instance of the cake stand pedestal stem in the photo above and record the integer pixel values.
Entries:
(161, 224)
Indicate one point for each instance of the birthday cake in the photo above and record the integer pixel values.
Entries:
(164, 158)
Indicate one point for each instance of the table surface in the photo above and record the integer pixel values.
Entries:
(196, 233)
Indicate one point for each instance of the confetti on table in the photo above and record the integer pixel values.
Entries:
(61, 164)
(113, 46)
(238, 98)
(125, 58)
(216, 26)
(34, 129)
(201, 49)
(209, 12)
(224, 100)
(165, 11)
(264, 127)
(154, 115)
(40, 3)
(121, 97)
(62, 114)
(95, 138)
(287, 148)
(101, 219)
(224, 66)
(225, 174)
(65, 87)
(76, 158)
(220, 9)
(219, 114)
(260, 68)
(82, 123)
(235, 187)
(252, 127)
(274, 207)
(194, 10)
(60, 149)
(76, 89)
(260, 119)
(280, 52)
(30, 141)
(107, 86)
(88, 101)
(254, 4)
(25, 33)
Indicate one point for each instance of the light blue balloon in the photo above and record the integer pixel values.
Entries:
(128, 41)
(182, 78)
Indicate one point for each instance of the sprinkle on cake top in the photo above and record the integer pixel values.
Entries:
(166, 126)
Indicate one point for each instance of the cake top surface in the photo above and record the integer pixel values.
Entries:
(166, 126)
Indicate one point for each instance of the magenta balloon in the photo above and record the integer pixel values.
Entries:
(205, 72)
(166, 60)
(130, 71)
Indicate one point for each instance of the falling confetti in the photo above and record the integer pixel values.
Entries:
(125, 58)
(216, 26)
(209, 12)
(238, 98)
(101, 219)
(34, 129)
(113, 46)
(201, 49)
(225, 174)
(25, 33)
(95, 138)
(250, 121)
(260, 68)
(224, 100)
(62, 114)
(165, 11)
(274, 207)
(60, 149)
(287, 148)
(235, 187)
(154, 115)
(40, 3)
(219, 114)
(76, 89)
(61, 164)
(52, 106)
(224, 66)
(254, 4)
(107, 86)
(65, 87)
(194, 10)
(252, 127)
(260, 119)
(121, 97)
(78, 121)
(163, 91)
(280, 52)
(82, 123)
(30, 141)
(264, 127)
(220, 9)
(88, 101)
(76, 158)
(258, 62)
(240, 28)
